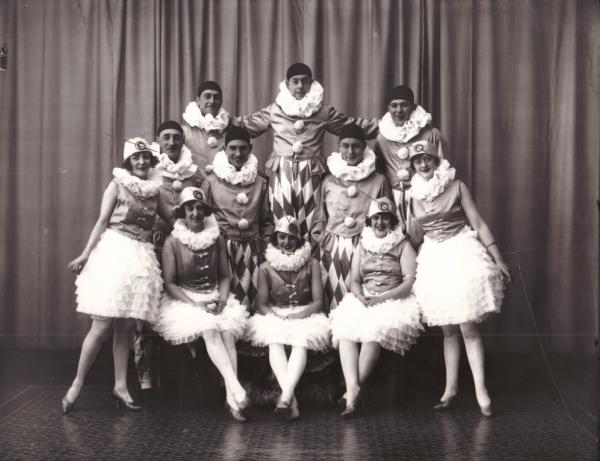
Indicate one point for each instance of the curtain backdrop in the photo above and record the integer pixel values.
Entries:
(513, 85)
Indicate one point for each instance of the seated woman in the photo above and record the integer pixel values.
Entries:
(381, 310)
(290, 299)
(197, 302)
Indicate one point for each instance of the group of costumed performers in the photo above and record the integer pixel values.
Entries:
(295, 264)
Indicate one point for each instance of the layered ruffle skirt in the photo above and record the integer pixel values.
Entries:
(394, 323)
(312, 332)
(457, 281)
(180, 322)
(121, 279)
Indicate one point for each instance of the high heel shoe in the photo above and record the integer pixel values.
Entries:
(235, 414)
(444, 405)
(487, 410)
(352, 407)
(121, 402)
(66, 404)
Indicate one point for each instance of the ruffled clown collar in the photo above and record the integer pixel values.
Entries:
(375, 244)
(310, 104)
(197, 240)
(141, 188)
(281, 261)
(341, 170)
(419, 119)
(227, 172)
(422, 189)
(182, 169)
(193, 117)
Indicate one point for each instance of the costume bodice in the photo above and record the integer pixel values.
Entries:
(289, 288)
(133, 216)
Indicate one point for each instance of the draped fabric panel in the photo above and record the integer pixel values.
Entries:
(512, 85)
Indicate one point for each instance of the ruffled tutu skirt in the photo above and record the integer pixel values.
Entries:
(312, 332)
(180, 322)
(394, 323)
(457, 281)
(121, 279)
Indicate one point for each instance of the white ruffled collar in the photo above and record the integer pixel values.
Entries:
(428, 190)
(182, 169)
(289, 263)
(341, 170)
(227, 172)
(141, 188)
(193, 117)
(408, 130)
(305, 107)
(197, 240)
(375, 244)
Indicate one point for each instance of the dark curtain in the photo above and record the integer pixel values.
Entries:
(513, 85)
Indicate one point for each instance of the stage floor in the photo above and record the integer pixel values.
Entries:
(531, 422)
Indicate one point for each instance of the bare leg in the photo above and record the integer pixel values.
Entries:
(295, 368)
(475, 355)
(451, 360)
(349, 359)
(369, 355)
(279, 363)
(89, 351)
(229, 342)
(121, 341)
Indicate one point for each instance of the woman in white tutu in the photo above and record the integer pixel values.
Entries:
(197, 302)
(381, 310)
(290, 301)
(119, 278)
(460, 270)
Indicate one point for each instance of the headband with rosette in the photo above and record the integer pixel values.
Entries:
(381, 205)
(424, 147)
(135, 145)
(192, 194)
(288, 225)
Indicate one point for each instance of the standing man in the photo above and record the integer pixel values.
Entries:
(205, 123)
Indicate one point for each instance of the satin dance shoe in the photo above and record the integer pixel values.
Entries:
(444, 405)
(68, 405)
(487, 411)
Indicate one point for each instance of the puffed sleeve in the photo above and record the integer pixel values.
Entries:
(336, 121)
(256, 123)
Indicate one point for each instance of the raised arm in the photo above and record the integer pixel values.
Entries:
(109, 200)
(256, 123)
(337, 120)
(482, 229)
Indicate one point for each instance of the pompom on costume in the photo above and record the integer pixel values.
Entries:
(394, 323)
(345, 197)
(296, 166)
(457, 281)
(289, 280)
(196, 255)
(121, 278)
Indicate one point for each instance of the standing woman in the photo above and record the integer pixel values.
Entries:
(290, 304)
(345, 197)
(119, 277)
(460, 269)
(198, 302)
(381, 310)
(404, 122)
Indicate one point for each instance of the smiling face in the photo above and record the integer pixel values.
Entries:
(209, 102)
(400, 110)
(382, 224)
(194, 215)
(299, 85)
(352, 150)
(171, 142)
(140, 162)
(287, 243)
(425, 165)
(238, 152)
